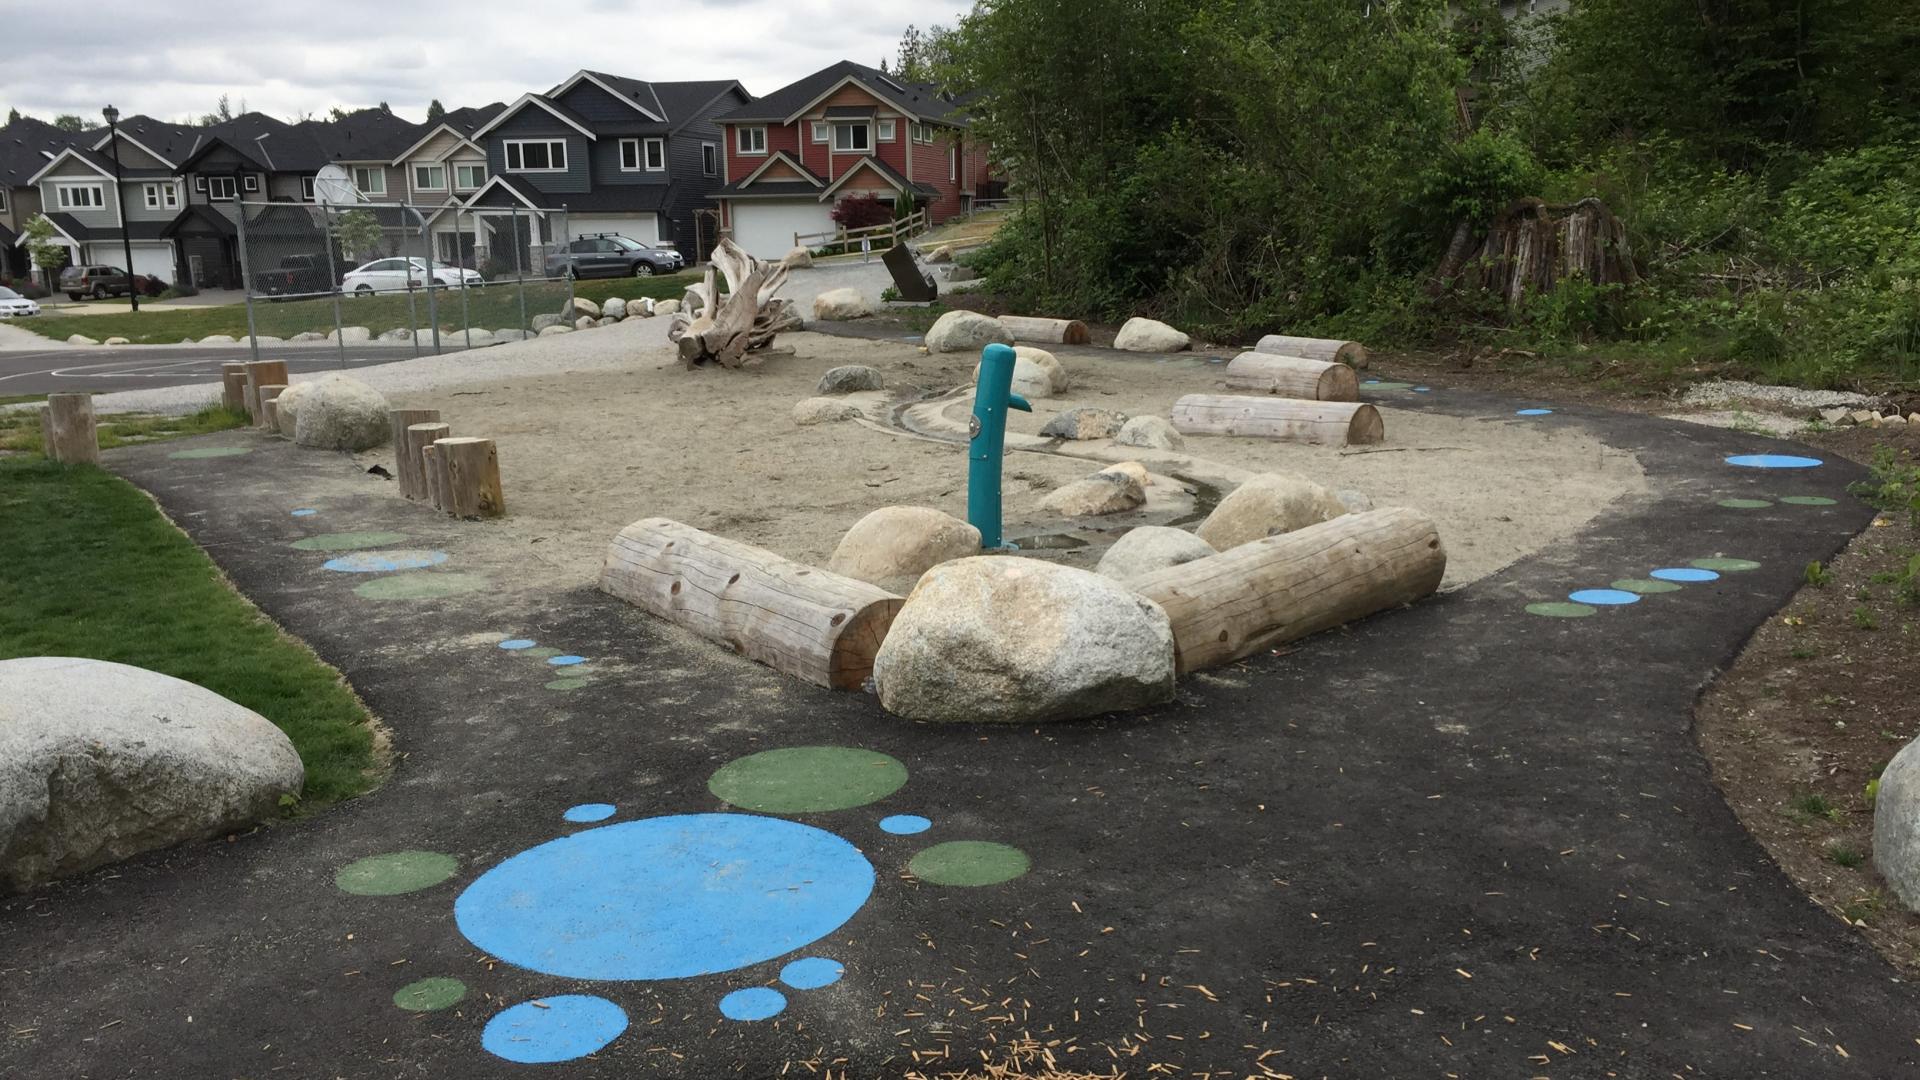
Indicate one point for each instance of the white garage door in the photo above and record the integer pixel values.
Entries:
(150, 259)
(642, 227)
(766, 229)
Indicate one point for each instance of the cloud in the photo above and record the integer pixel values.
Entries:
(290, 59)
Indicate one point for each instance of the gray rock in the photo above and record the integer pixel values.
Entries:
(615, 308)
(336, 412)
(842, 304)
(896, 542)
(823, 410)
(1151, 432)
(1834, 415)
(1356, 501)
(664, 307)
(1267, 505)
(1033, 377)
(1091, 496)
(1896, 825)
(585, 322)
(584, 306)
(797, 259)
(80, 339)
(218, 339)
(965, 331)
(398, 333)
(351, 335)
(266, 339)
(1148, 335)
(962, 273)
(849, 379)
(642, 308)
(101, 761)
(1085, 423)
(542, 321)
(1150, 548)
(1013, 640)
(116, 341)
(941, 254)
(474, 336)
(510, 333)
(555, 330)
(308, 335)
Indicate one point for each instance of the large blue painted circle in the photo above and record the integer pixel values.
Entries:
(554, 1029)
(812, 973)
(1773, 461)
(753, 1003)
(666, 897)
(381, 562)
(1684, 573)
(1604, 596)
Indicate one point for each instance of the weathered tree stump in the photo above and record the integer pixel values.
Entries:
(413, 449)
(472, 478)
(262, 373)
(406, 461)
(267, 394)
(710, 328)
(1046, 331)
(67, 428)
(1532, 246)
(1293, 377)
(233, 386)
(1323, 423)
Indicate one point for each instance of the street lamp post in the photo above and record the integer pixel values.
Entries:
(120, 202)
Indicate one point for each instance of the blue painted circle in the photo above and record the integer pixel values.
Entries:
(304, 512)
(553, 1029)
(753, 1003)
(1773, 461)
(593, 811)
(1423, 389)
(1371, 382)
(666, 897)
(1533, 412)
(380, 562)
(1604, 597)
(516, 644)
(905, 824)
(566, 661)
(1684, 573)
(812, 973)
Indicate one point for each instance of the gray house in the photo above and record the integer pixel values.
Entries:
(26, 147)
(96, 223)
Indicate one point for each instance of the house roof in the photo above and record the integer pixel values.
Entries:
(26, 145)
(168, 142)
(74, 153)
(558, 111)
(503, 190)
(211, 220)
(138, 230)
(461, 123)
(887, 172)
(816, 186)
(923, 101)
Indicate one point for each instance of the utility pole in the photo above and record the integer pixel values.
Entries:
(120, 202)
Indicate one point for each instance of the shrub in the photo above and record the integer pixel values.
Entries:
(148, 285)
(861, 211)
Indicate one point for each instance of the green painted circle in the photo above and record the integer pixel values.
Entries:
(427, 586)
(430, 995)
(349, 541)
(1562, 609)
(1745, 504)
(969, 862)
(538, 652)
(209, 452)
(568, 684)
(808, 779)
(1645, 586)
(1726, 565)
(395, 873)
(1809, 500)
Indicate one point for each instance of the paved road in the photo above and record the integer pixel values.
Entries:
(144, 367)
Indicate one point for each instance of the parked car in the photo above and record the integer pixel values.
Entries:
(399, 275)
(612, 255)
(12, 304)
(296, 274)
(96, 281)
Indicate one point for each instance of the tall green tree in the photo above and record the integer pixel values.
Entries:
(70, 122)
(13, 115)
(435, 111)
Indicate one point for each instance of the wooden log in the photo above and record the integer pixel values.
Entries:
(270, 412)
(267, 394)
(433, 468)
(411, 452)
(1293, 377)
(1322, 423)
(1340, 352)
(805, 621)
(406, 463)
(68, 427)
(262, 373)
(1281, 588)
(473, 478)
(233, 385)
(1048, 331)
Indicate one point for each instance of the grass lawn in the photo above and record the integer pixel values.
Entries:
(93, 569)
(20, 428)
(494, 307)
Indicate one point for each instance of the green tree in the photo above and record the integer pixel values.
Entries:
(13, 116)
(435, 111)
(359, 234)
(222, 112)
(48, 254)
(922, 55)
(69, 122)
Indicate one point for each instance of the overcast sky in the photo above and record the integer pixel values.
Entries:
(173, 60)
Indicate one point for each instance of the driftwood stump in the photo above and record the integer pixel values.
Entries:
(68, 429)
(724, 330)
(1533, 246)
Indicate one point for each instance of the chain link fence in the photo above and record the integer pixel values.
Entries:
(435, 278)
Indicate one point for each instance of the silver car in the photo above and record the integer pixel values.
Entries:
(12, 304)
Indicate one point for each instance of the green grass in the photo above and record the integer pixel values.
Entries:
(20, 428)
(1843, 855)
(494, 307)
(93, 569)
(1815, 805)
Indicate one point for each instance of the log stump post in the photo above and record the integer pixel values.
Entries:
(472, 478)
(419, 438)
(270, 412)
(1321, 423)
(406, 461)
(267, 394)
(233, 386)
(67, 425)
(262, 373)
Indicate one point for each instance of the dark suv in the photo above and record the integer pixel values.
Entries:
(98, 282)
(611, 255)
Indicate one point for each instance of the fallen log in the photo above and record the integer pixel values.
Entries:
(1046, 331)
(1321, 423)
(472, 478)
(406, 461)
(1293, 377)
(810, 623)
(1282, 588)
(1351, 353)
(68, 430)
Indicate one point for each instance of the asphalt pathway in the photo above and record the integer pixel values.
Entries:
(1459, 840)
(145, 367)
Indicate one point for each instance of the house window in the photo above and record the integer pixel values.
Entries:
(430, 177)
(252, 182)
(750, 140)
(220, 188)
(852, 138)
(537, 155)
(648, 154)
(709, 159)
(80, 196)
(819, 131)
(306, 189)
(886, 131)
(656, 154)
(469, 177)
(370, 180)
(954, 172)
(199, 183)
(3, 199)
(162, 195)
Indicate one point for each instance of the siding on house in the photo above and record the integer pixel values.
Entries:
(533, 122)
(105, 217)
(132, 157)
(137, 209)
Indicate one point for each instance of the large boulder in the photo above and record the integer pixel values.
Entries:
(398, 333)
(585, 322)
(542, 321)
(965, 331)
(823, 410)
(1150, 432)
(1105, 492)
(1013, 640)
(80, 339)
(941, 254)
(1030, 379)
(1057, 372)
(511, 333)
(615, 308)
(1267, 505)
(840, 305)
(308, 335)
(665, 307)
(335, 412)
(219, 339)
(1149, 548)
(471, 336)
(850, 379)
(581, 306)
(350, 335)
(116, 340)
(286, 407)
(902, 542)
(101, 761)
(555, 330)
(1084, 423)
(1896, 825)
(797, 259)
(1147, 335)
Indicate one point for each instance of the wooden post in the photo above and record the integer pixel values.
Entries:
(1050, 331)
(473, 478)
(1339, 352)
(1294, 377)
(262, 373)
(799, 619)
(270, 413)
(419, 439)
(1283, 588)
(66, 423)
(1326, 423)
(233, 385)
(406, 462)
(267, 394)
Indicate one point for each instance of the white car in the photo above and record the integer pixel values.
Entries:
(12, 303)
(399, 275)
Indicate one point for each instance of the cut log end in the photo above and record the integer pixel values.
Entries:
(1326, 423)
(1046, 331)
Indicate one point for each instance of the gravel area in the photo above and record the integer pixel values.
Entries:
(1723, 392)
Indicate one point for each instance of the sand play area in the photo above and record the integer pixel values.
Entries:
(585, 452)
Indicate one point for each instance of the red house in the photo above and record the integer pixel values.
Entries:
(845, 130)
